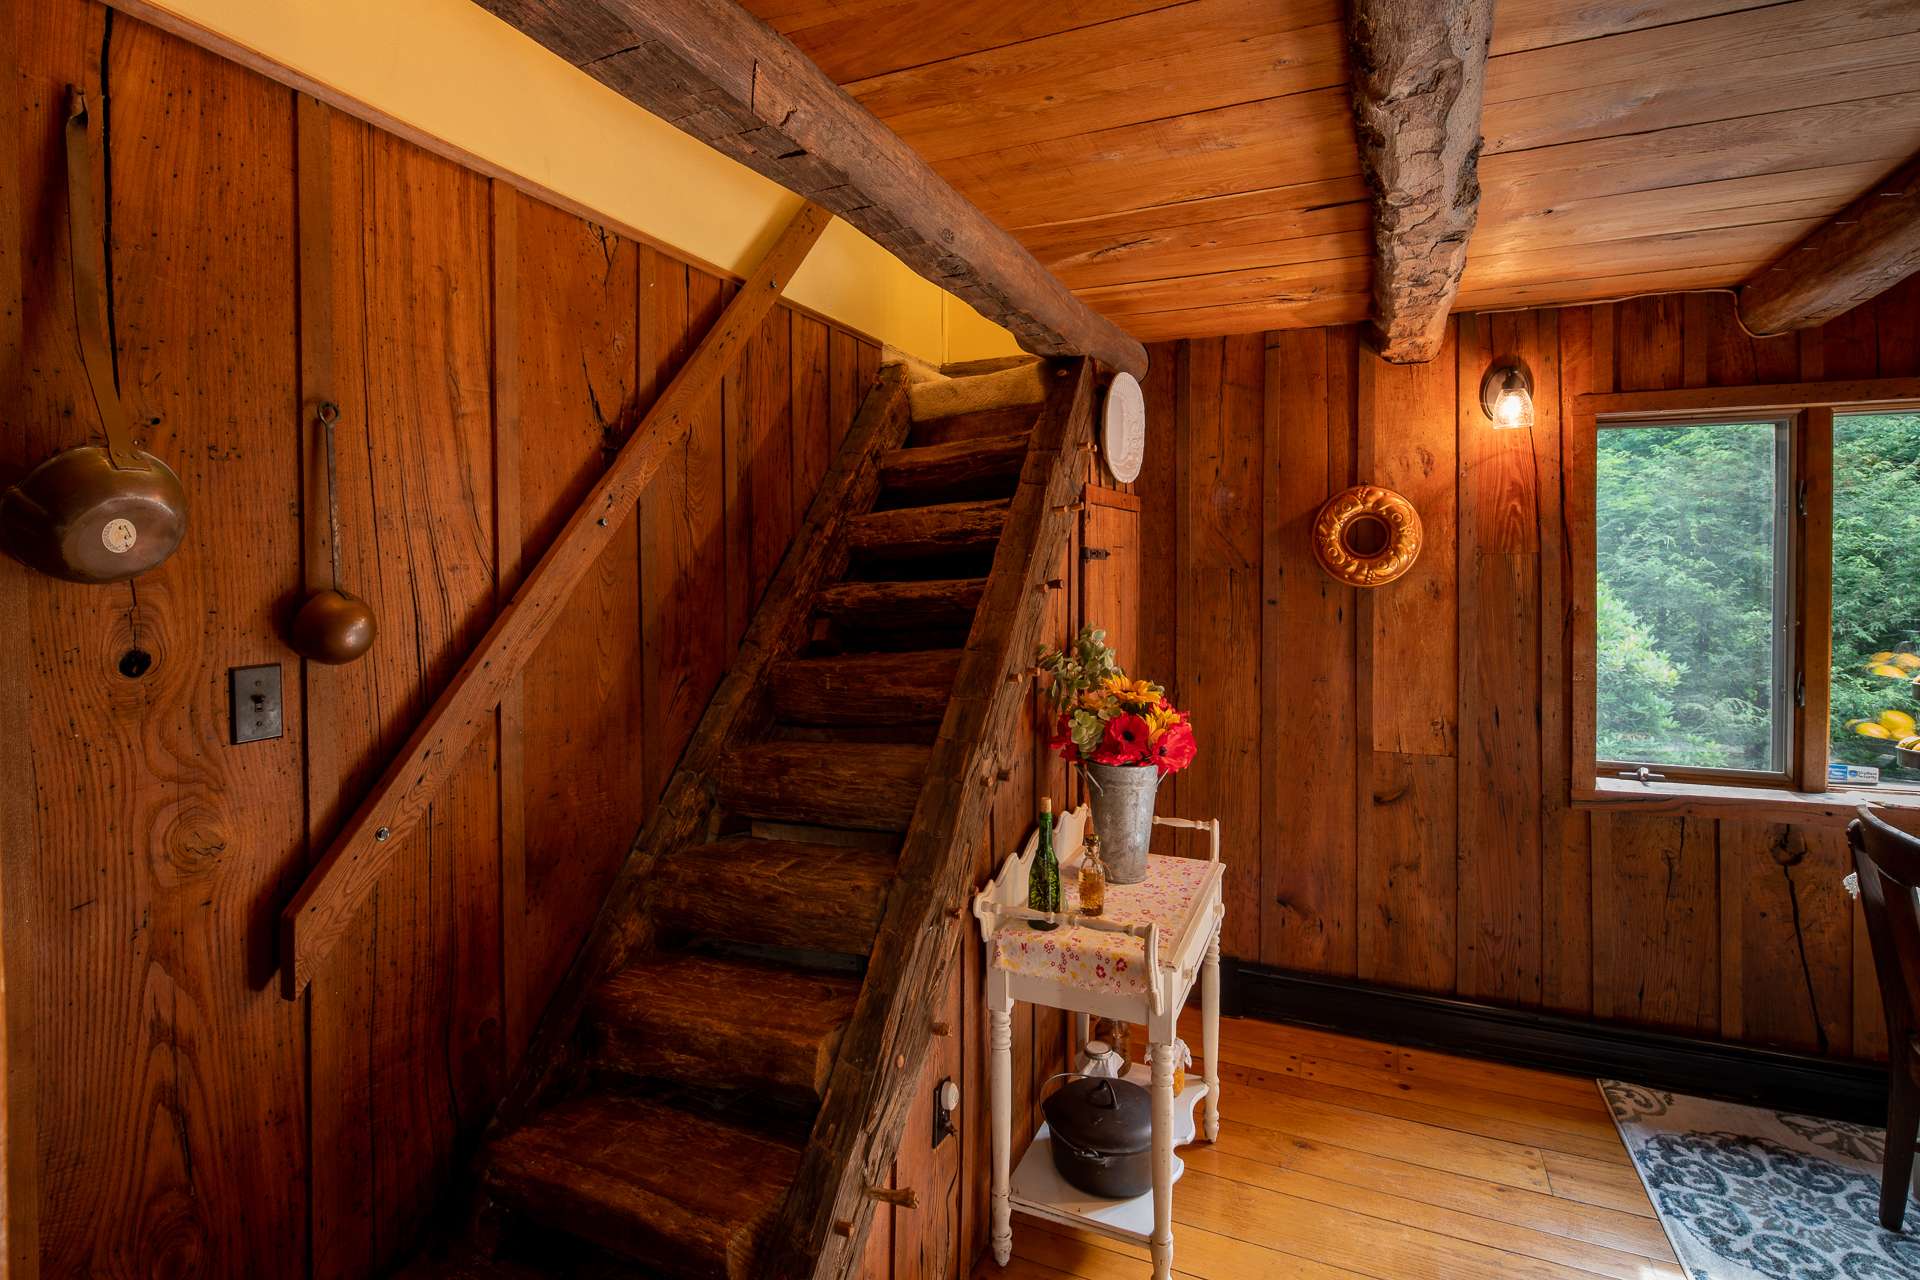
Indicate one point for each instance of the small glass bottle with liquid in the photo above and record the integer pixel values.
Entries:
(1093, 874)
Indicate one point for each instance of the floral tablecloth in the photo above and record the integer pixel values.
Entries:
(1093, 959)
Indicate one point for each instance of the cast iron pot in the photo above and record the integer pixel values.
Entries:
(1103, 1136)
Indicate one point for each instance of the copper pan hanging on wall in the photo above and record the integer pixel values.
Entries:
(93, 514)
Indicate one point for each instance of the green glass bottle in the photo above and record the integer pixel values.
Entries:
(1043, 881)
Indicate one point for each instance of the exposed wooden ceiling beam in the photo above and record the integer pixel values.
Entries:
(1858, 254)
(714, 70)
(1419, 67)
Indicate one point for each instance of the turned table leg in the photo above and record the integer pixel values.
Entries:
(1210, 1034)
(1161, 1056)
(1000, 1038)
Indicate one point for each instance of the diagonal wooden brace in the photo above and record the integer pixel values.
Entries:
(345, 877)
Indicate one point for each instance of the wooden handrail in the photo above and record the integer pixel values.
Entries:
(345, 876)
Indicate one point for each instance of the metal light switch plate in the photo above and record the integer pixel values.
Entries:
(253, 699)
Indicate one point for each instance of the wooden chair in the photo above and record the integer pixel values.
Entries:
(1888, 863)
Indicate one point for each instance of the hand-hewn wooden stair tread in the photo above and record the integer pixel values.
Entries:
(736, 1024)
(871, 786)
(866, 688)
(776, 893)
(982, 424)
(688, 1194)
(903, 606)
(960, 468)
(945, 529)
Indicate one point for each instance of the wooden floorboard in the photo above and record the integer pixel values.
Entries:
(1341, 1158)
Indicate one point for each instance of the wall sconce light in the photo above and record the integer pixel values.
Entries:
(1506, 396)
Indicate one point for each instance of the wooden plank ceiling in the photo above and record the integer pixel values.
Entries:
(1189, 168)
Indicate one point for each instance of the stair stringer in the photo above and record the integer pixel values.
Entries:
(823, 1223)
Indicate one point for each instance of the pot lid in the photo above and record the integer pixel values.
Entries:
(1111, 1117)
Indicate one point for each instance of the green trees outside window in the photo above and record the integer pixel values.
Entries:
(1694, 578)
(1685, 617)
(1876, 591)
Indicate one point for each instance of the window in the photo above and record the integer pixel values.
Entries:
(1693, 597)
(1876, 593)
(1749, 596)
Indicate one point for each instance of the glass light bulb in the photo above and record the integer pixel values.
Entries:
(1513, 407)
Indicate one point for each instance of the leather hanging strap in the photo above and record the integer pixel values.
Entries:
(88, 258)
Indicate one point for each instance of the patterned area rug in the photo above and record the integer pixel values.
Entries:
(1746, 1194)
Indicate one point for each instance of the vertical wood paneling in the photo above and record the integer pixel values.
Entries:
(1158, 488)
(576, 313)
(340, 766)
(1655, 921)
(769, 464)
(1566, 856)
(1408, 694)
(1220, 536)
(1499, 602)
(1787, 955)
(165, 1065)
(1481, 878)
(269, 254)
(435, 990)
(811, 383)
(1306, 898)
(19, 1125)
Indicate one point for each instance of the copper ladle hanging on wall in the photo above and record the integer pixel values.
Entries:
(90, 514)
(332, 626)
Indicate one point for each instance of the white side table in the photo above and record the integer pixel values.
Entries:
(1136, 962)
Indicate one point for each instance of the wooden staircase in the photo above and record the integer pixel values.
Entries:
(723, 1075)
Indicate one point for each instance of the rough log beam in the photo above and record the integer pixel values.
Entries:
(1419, 67)
(1860, 253)
(715, 71)
(346, 874)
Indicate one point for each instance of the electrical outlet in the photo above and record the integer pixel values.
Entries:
(253, 701)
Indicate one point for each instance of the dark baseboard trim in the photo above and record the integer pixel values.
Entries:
(1737, 1073)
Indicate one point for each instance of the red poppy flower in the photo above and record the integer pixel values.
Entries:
(1175, 749)
(1125, 741)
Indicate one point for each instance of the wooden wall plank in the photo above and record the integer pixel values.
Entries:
(769, 464)
(808, 363)
(1407, 425)
(1408, 709)
(1656, 930)
(1499, 863)
(736, 509)
(182, 1088)
(436, 974)
(1220, 611)
(1787, 937)
(1566, 855)
(19, 1065)
(340, 764)
(1158, 488)
(577, 316)
(1307, 816)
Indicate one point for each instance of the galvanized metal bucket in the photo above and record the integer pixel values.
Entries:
(1121, 796)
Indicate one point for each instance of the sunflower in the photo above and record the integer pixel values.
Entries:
(1131, 691)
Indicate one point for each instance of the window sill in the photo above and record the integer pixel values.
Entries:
(1693, 799)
